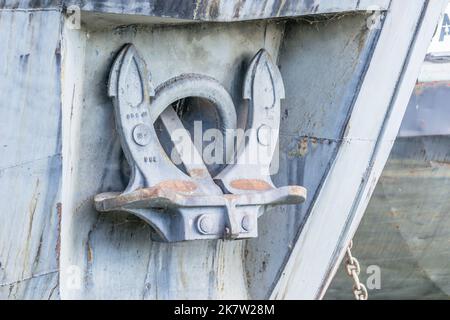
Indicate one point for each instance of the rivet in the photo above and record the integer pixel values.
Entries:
(247, 223)
(205, 224)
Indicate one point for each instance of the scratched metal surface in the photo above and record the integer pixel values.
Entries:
(406, 228)
(30, 148)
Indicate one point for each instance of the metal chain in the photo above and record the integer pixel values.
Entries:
(353, 270)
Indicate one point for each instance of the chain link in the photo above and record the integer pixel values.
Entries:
(353, 270)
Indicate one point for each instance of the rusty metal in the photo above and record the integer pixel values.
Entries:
(189, 206)
(250, 184)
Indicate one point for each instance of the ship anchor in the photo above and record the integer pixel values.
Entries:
(194, 205)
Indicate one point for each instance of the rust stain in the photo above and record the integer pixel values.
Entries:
(33, 205)
(303, 146)
(90, 253)
(250, 184)
(34, 201)
(297, 191)
(314, 142)
(58, 241)
(32, 210)
(438, 83)
(231, 197)
(165, 189)
(176, 185)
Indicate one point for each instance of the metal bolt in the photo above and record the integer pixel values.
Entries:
(142, 134)
(205, 224)
(247, 223)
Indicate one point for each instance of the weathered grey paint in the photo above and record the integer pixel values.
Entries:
(30, 148)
